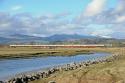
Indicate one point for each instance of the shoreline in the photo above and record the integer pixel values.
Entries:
(46, 72)
(110, 71)
(18, 56)
(11, 53)
(30, 78)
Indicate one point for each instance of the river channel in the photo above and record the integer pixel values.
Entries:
(11, 67)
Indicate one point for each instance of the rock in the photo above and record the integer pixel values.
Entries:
(1, 82)
(18, 80)
(45, 74)
(51, 82)
(25, 79)
(11, 80)
(121, 81)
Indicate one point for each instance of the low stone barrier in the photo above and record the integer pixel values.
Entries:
(44, 74)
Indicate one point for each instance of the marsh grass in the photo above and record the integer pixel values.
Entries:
(108, 72)
(22, 52)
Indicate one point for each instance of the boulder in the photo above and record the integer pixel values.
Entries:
(1, 82)
(51, 82)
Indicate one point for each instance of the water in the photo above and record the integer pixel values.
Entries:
(10, 67)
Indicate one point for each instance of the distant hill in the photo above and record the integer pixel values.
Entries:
(65, 37)
(58, 39)
(20, 38)
(4, 40)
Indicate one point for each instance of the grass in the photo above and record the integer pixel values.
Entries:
(113, 72)
(109, 72)
(23, 52)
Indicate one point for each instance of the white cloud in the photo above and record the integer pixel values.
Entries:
(95, 7)
(119, 12)
(102, 33)
(120, 19)
(120, 6)
(5, 25)
(28, 24)
(16, 8)
(50, 24)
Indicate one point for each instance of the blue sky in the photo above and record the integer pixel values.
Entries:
(47, 17)
(45, 6)
(48, 6)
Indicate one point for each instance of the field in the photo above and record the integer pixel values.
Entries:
(109, 72)
(23, 52)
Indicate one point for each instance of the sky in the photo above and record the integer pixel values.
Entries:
(104, 18)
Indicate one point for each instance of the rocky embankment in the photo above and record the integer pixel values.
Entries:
(25, 78)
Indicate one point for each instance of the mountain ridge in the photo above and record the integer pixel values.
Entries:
(54, 39)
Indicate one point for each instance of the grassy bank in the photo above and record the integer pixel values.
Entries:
(23, 52)
(109, 72)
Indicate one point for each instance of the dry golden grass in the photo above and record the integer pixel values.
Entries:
(21, 52)
(113, 72)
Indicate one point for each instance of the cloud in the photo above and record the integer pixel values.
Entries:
(100, 15)
(94, 8)
(120, 19)
(92, 12)
(120, 6)
(120, 11)
(112, 17)
(95, 20)
(16, 8)
(103, 33)
(24, 23)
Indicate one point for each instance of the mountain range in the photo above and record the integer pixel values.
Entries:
(56, 39)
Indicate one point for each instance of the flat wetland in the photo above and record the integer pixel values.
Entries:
(24, 52)
(108, 72)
